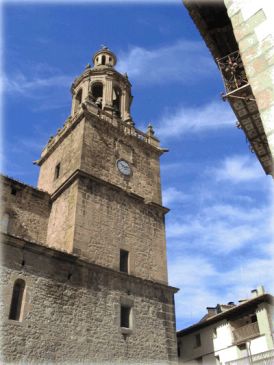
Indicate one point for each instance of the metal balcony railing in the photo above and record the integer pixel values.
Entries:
(245, 332)
(263, 358)
(233, 72)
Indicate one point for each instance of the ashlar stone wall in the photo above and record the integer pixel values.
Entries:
(104, 144)
(61, 226)
(66, 152)
(27, 210)
(109, 219)
(71, 312)
(253, 28)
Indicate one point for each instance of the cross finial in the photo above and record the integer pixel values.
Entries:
(103, 46)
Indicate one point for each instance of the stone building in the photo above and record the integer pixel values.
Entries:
(84, 273)
(231, 334)
(240, 37)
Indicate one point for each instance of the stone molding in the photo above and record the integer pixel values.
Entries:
(72, 258)
(79, 173)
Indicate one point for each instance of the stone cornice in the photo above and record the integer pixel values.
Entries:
(21, 185)
(79, 173)
(150, 142)
(100, 72)
(51, 252)
(88, 111)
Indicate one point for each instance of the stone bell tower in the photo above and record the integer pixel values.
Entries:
(94, 287)
(110, 90)
(104, 178)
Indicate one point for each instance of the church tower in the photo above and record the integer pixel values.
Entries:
(104, 178)
(84, 255)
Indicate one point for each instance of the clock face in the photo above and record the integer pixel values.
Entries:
(124, 167)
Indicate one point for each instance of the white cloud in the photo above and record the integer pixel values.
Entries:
(173, 195)
(27, 86)
(185, 120)
(222, 248)
(217, 237)
(237, 169)
(221, 229)
(203, 285)
(173, 63)
(193, 275)
(43, 83)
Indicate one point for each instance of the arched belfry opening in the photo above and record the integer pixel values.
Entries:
(17, 300)
(116, 101)
(103, 60)
(97, 93)
(78, 99)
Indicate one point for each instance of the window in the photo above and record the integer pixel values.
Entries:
(243, 350)
(110, 59)
(125, 316)
(97, 90)
(103, 60)
(97, 93)
(214, 332)
(198, 340)
(253, 318)
(57, 171)
(124, 261)
(78, 100)
(13, 190)
(17, 299)
(117, 101)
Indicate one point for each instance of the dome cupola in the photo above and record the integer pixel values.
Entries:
(104, 57)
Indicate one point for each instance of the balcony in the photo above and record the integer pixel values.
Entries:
(263, 358)
(244, 333)
(233, 72)
(239, 94)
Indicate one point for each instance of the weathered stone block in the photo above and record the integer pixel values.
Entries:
(243, 30)
(72, 321)
(265, 99)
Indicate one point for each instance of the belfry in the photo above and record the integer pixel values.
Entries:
(84, 264)
(103, 85)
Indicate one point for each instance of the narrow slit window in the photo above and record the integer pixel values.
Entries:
(125, 316)
(124, 260)
(57, 171)
(16, 300)
(103, 60)
(13, 190)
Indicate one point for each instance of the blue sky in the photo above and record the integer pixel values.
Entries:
(219, 234)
